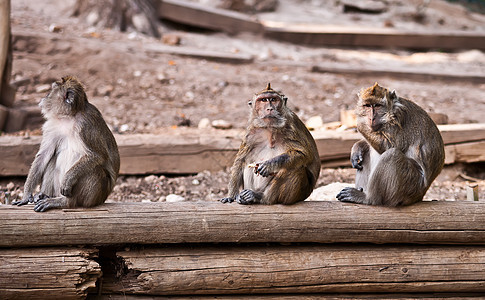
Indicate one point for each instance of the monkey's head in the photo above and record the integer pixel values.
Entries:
(66, 98)
(377, 106)
(268, 108)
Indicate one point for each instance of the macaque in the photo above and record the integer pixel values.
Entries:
(278, 161)
(401, 154)
(78, 161)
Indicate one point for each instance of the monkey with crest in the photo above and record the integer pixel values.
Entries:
(278, 161)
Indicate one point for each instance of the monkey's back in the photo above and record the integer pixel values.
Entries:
(423, 141)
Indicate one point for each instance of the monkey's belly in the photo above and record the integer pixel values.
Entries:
(254, 181)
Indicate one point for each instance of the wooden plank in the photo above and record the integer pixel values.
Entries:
(325, 35)
(46, 273)
(438, 222)
(301, 269)
(310, 296)
(203, 16)
(400, 72)
(192, 150)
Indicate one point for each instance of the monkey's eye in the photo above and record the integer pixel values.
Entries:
(264, 99)
(367, 105)
(69, 97)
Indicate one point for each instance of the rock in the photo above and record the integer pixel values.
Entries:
(204, 123)
(104, 90)
(328, 192)
(195, 182)
(55, 28)
(150, 179)
(315, 122)
(124, 128)
(221, 124)
(42, 88)
(174, 198)
(171, 39)
(348, 118)
(10, 186)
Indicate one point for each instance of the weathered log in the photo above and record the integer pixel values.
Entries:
(200, 15)
(192, 151)
(438, 222)
(47, 273)
(301, 269)
(324, 35)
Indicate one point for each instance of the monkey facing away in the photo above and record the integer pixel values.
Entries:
(78, 161)
(401, 154)
(278, 161)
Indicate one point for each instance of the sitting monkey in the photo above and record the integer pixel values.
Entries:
(278, 161)
(401, 154)
(78, 161)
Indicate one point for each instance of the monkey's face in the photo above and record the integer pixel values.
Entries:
(375, 107)
(62, 100)
(267, 109)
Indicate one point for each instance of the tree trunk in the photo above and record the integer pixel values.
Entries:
(7, 93)
(139, 15)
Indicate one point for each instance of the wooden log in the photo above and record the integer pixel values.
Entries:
(402, 72)
(192, 151)
(202, 16)
(324, 35)
(438, 222)
(311, 296)
(47, 273)
(301, 269)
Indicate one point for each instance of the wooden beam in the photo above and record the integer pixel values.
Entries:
(202, 16)
(46, 273)
(438, 222)
(325, 35)
(400, 72)
(192, 150)
(300, 269)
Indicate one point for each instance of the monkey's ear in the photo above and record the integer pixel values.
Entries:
(393, 95)
(250, 102)
(69, 97)
(285, 99)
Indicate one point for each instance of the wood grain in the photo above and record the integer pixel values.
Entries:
(301, 269)
(46, 273)
(436, 222)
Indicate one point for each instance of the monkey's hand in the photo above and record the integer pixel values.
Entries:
(266, 168)
(352, 195)
(227, 200)
(25, 200)
(357, 160)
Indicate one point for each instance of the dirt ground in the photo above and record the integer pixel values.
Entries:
(140, 91)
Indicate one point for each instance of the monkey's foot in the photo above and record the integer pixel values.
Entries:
(247, 197)
(45, 204)
(227, 200)
(352, 195)
(29, 199)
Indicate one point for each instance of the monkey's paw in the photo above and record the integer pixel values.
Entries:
(264, 169)
(43, 205)
(352, 195)
(227, 200)
(357, 160)
(246, 197)
(25, 200)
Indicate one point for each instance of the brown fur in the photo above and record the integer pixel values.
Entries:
(401, 154)
(78, 161)
(287, 164)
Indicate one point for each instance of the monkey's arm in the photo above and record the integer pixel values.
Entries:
(36, 172)
(236, 180)
(288, 160)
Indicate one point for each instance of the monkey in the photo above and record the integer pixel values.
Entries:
(401, 154)
(278, 160)
(78, 161)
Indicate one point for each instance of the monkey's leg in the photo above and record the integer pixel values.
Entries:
(248, 197)
(361, 160)
(288, 187)
(397, 180)
(48, 203)
(91, 189)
